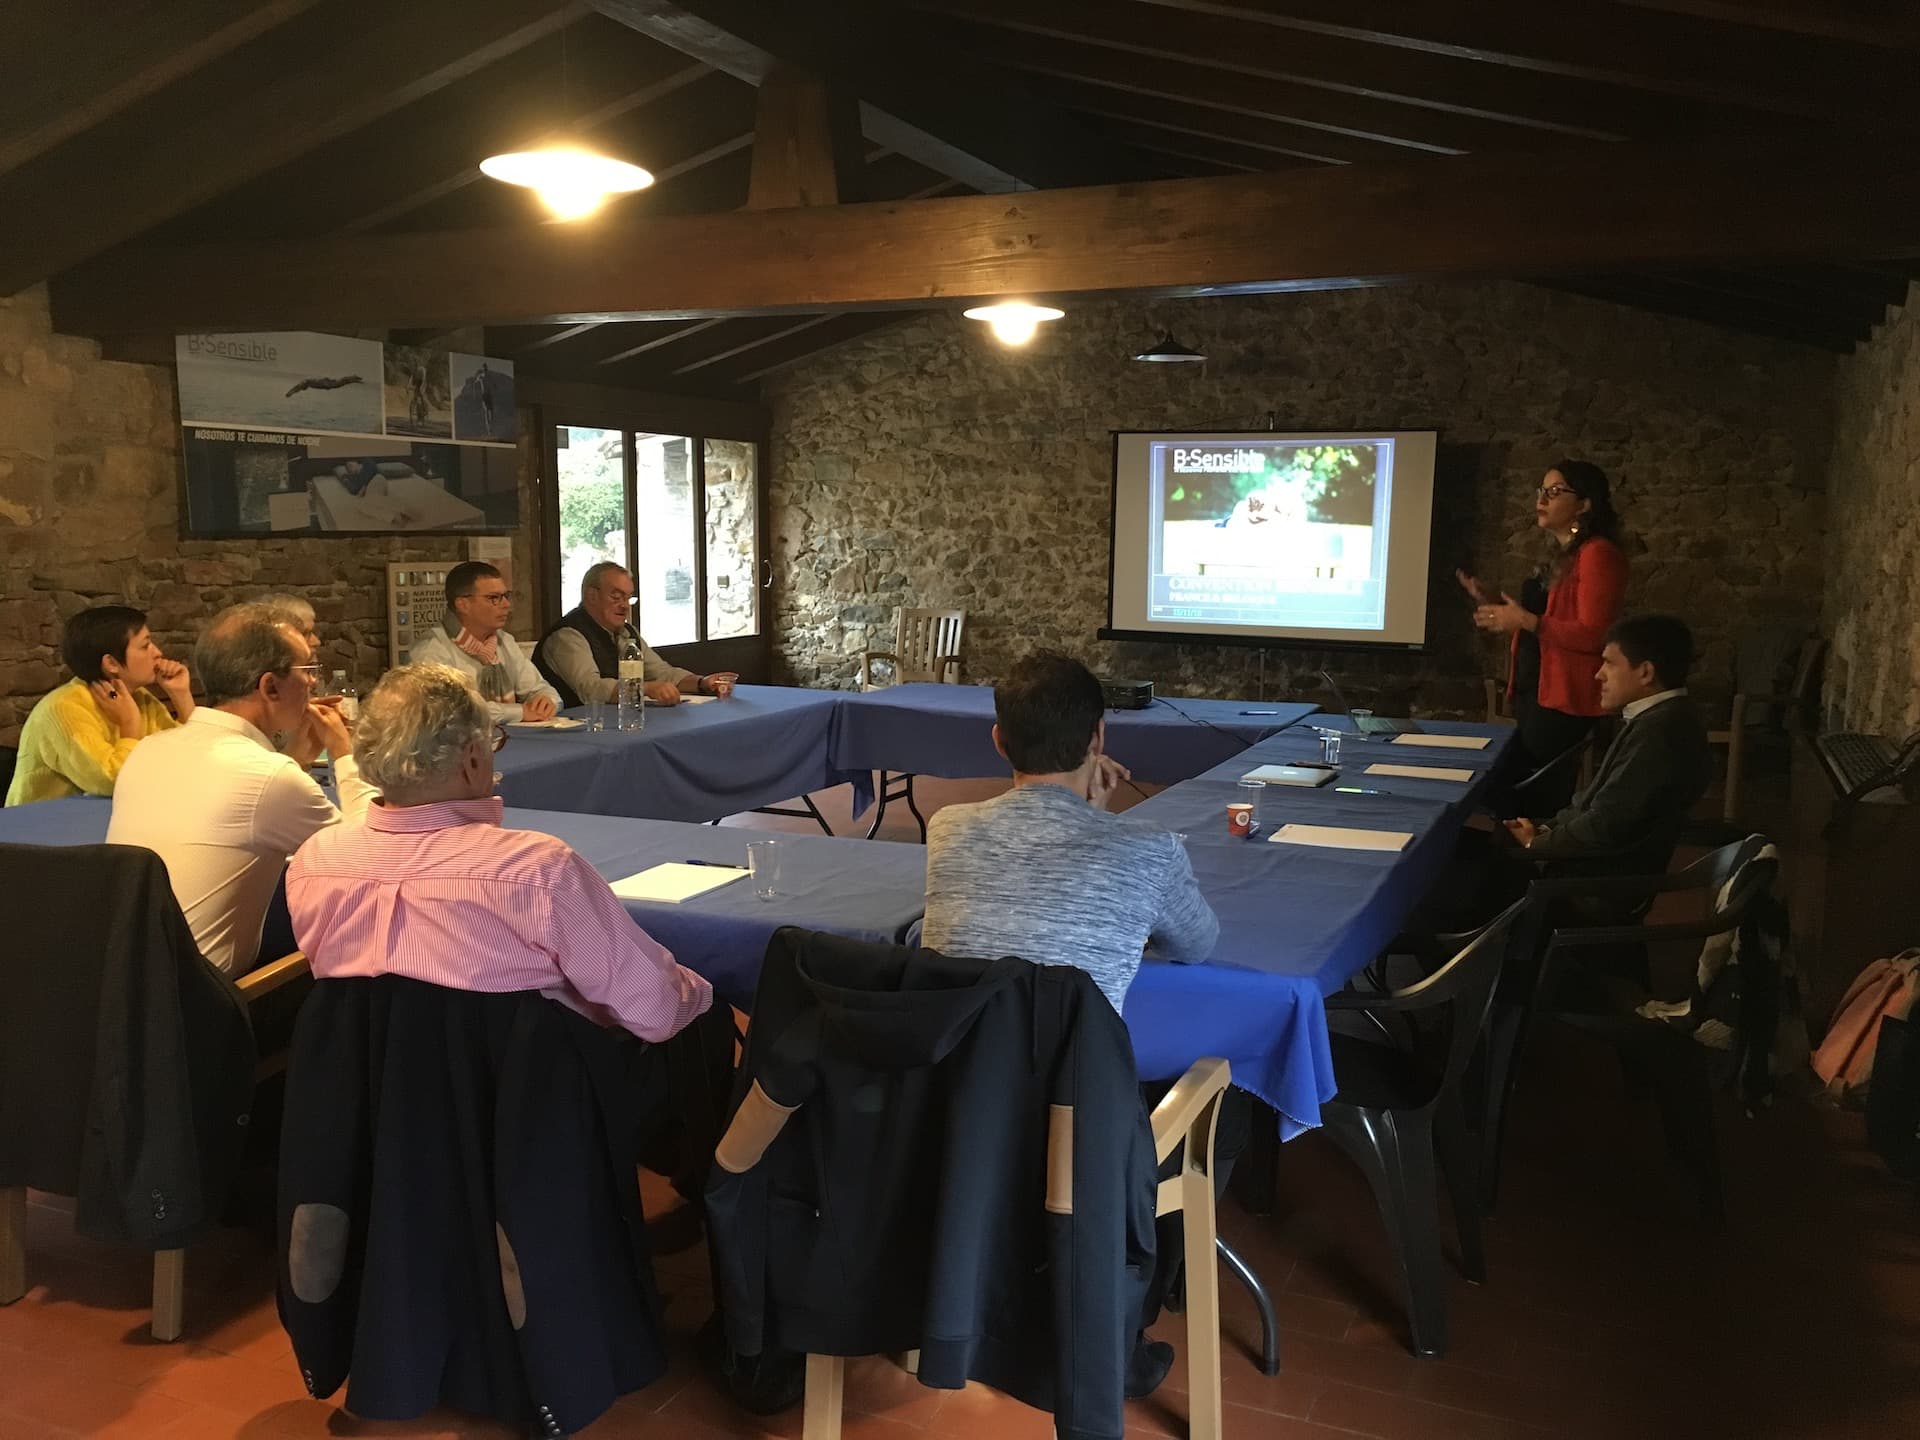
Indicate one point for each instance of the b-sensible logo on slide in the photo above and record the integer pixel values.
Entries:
(230, 347)
(1218, 462)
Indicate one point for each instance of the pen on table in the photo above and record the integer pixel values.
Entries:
(715, 864)
(1355, 790)
(1259, 712)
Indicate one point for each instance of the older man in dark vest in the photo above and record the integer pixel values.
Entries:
(580, 657)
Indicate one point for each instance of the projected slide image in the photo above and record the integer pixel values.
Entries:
(1275, 533)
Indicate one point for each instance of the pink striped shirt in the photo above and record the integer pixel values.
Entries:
(444, 893)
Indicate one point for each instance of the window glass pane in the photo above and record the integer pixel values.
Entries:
(591, 481)
(733, 596)
(664, 521)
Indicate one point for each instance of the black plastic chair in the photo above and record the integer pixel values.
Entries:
(1400, 1104)
(1603, 996)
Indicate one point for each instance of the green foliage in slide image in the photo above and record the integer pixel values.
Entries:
(1333, 482)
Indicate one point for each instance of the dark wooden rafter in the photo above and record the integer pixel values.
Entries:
(1890, 24)
(832, 332)
(1667, 54)
(1191, 150)
(1173, 78)
(1576, 211)
(806, 143)
(1420, 80)
(128, 51)
(332, 70)
(912, 99)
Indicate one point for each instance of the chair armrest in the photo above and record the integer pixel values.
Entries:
(1174, 1116)
(1376, 1004)
(1590, 935)
(271, 976)
(1610, 886)
(940, 664)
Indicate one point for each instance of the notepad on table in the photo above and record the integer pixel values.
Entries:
(673, 882)
(1444, 742)
(683, 700)
(1422, 772)
(1339, 837)
(558, 722)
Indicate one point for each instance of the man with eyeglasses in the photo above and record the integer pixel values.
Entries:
(225, 798)
(582, 654)
(473, 639)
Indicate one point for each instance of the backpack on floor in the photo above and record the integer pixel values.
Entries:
(1844, 1059)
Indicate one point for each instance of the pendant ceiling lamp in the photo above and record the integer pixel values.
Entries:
(571, 182)
(1014, 322)
(1169, 351)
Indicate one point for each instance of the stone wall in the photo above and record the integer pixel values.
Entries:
(1873, 550)
(927, 465)
(90, 508)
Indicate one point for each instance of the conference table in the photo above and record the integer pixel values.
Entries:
(1296, 922)
(862, 889)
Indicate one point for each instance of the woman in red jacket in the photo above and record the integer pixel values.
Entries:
(1559, 624)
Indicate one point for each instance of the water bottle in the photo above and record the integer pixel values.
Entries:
(633, 711)
(349, 697)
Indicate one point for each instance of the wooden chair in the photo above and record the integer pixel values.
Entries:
(1760, 713)
(169, 1266)
(1188, 1113)
(926, 648)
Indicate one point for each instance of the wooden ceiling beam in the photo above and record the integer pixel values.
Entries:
(807, 147)
(1890, 24)
(1418, 79)
(1167, 77)
(1592, 208)
(319, 76)
(832, 332)
(126, 51)
(1665, 54)
(912, 99)
(1156, 141)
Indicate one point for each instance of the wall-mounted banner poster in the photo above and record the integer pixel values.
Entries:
(293, 433)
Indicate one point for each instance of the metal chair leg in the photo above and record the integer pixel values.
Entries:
(1263, 1302)
(914, 809)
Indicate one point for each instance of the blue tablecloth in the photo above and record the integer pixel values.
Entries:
(867, 890)
(1296, 922)
(763, 744)
(947, 730)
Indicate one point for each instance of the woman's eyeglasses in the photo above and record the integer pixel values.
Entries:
(1548, 492)
(499, 738)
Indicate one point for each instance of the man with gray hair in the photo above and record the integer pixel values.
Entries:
(299, 614)
(435, 888)
(228, 798)
(580, 657)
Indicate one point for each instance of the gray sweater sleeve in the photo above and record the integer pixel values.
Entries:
(1186, 928)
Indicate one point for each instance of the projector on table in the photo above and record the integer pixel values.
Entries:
(1127, 694)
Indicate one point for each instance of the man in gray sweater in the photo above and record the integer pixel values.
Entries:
(1045, 872)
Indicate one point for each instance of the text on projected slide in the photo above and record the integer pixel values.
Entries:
(1270, 533)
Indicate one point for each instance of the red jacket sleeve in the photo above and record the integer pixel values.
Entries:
(1601, 575)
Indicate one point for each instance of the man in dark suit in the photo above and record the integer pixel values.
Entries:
(1658, 766)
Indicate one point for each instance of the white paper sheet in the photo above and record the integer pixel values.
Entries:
(1336, 837)
(1444, 742)
(1422, 772)
(674, 882)
(557, 722)
(688, 700)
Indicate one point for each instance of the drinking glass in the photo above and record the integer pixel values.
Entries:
(596, 716)
(1330, 746)
(1252, 792)
(763, 860)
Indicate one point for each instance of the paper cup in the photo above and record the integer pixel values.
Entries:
(1240, 818)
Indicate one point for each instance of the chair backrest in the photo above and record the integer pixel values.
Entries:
(926, 637)
(1463, 986)
(1736, 861)
(9, 762)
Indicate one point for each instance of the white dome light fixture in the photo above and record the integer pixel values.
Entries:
(571, 182)
(1014, 322)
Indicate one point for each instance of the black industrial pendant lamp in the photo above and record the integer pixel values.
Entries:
(1169, 351)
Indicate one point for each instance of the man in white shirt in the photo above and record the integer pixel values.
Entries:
(227, 799)
(473, 639)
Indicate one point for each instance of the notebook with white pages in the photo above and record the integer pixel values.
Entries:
(1444, 742)
(672, 882)
(1339, 837)
(1422, 772)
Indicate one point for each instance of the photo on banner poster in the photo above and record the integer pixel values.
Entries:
(419, 392)
(482, 398)
(288, 380)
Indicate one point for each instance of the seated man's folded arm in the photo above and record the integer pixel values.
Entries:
(1186, 929)
(1618, 815)
(570, 657)
(615, 964)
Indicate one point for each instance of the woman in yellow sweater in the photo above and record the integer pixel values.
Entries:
(77, 738)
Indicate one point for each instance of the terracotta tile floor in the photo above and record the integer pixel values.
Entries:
(1609, 1311)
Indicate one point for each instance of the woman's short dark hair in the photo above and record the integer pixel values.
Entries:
(1589, 482)
(1048, 707)
(463, 577)
(1664, 640)
(100, 631)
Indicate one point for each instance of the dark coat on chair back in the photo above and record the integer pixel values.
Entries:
(943, 1155)
(460, 1219)
(126, 1060)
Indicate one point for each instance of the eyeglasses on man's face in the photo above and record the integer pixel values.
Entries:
(499, 737)
(494, 597)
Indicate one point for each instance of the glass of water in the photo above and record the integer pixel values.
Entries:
(763, 860)
(1330, 746)
(596, 715)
